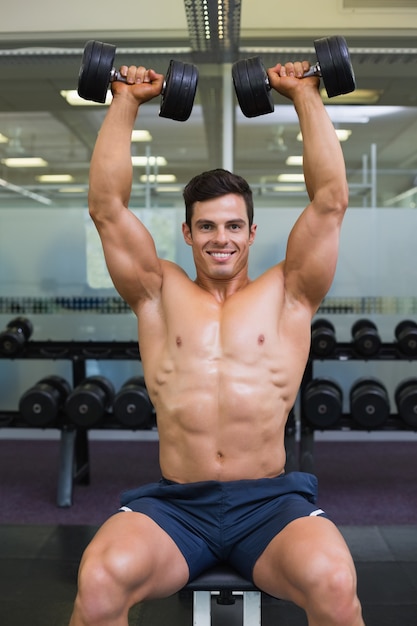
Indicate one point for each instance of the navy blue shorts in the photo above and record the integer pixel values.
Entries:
(230, 521)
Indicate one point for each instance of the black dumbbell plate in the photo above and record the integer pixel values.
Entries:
(251, 86)
(335, 65)
(179, 93)
(96, 66)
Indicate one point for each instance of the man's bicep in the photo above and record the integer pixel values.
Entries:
(311, 257)
(131, 258)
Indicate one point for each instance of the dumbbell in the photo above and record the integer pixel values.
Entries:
(14, 337)
(88, 402)
(406, 401)
(253, 89)
(40, 404)
(132, 406)
(323, 337)
(97, 72)
(369, 403)
(406, 335)
(322, 402)
(365, 336)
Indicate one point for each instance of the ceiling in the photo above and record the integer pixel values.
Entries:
(40, 55)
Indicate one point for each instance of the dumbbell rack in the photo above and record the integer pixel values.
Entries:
(344, 351)
(74, 467)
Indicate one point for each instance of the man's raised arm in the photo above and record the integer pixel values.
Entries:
(128, 246)
(313, 244)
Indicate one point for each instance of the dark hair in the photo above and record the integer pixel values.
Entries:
(213, 184)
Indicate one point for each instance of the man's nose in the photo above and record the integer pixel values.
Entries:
(221, 234)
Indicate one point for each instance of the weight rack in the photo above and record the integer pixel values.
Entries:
(74, 465)
(345, 351)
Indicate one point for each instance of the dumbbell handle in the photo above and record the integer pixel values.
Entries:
(313, 71)
(116, 76)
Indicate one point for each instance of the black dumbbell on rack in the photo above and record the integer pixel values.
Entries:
(323, 338)
(406, 401)
(15, 336)
(97, 72)
(406, 336)
(369, 403)
(132, 407)
(253, 89)
(40, 405)
(322, 402)
(88, 402)
(366, 338)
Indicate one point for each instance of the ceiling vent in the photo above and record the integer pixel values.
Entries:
(214, 27)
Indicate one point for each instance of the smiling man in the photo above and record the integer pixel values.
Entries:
(221, 227)
(223, 358)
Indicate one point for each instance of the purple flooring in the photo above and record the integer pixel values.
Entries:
(360, 483)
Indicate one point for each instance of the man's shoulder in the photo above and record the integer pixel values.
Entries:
(170, 267)
(174, 275)
(273, 273)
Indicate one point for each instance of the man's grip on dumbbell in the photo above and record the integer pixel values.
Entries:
(253, 89)
(97, 72)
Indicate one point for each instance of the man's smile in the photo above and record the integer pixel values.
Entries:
(221, 255)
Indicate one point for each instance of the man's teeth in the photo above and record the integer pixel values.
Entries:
(221, 255)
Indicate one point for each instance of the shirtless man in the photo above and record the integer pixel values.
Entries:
(223, 358)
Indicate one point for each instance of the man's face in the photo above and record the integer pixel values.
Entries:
(220, 236)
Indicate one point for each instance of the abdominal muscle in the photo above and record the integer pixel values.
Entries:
(222, 420)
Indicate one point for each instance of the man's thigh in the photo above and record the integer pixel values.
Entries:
(143, 551)
(297, 556)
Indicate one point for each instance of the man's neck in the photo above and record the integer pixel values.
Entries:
(221, 289)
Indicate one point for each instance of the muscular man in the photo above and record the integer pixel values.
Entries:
(223, 358)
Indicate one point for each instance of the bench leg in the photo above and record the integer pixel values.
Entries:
(251, 608)
(201, 608)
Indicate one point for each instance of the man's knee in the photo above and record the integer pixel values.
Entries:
(333, 593)
(105, 589)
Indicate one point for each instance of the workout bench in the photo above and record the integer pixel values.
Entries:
(224, 580)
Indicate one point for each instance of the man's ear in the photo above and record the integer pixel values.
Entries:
(186, 232)
(252, 234)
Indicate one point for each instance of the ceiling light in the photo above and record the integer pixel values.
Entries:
(169, 189)
(141, 135)
(24, 162)
(152, 160)
(72, 189)
(74, 99)
(3, 138)
(291, 178)
(55, 178)
(359, 96)
(343, 134)
(159, 178)
(294, 160)
(288, 188)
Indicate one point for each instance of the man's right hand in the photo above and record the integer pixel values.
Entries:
(288, 79)
(144, 84)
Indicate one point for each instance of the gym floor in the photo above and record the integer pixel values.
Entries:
(38, 567)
